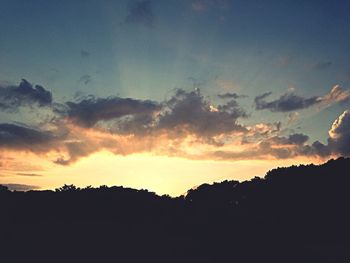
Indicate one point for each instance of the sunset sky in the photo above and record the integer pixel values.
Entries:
(167, 95)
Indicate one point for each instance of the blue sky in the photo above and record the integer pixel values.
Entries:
(149, 49)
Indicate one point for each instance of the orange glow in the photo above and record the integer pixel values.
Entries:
(163, 175)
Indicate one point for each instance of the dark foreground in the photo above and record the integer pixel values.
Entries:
(296, 214)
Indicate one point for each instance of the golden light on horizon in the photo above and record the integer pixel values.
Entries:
(160, 174)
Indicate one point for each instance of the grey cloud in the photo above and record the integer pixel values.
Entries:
(338, 144)
(141, 12)
(293, 139)
(291, 102)
(273, 147)
(287, 102)
(12, 97)
(23, 138)
(229, 95)
(76, 150)
(321, 149)
(298, 138)
(190, 111)
(183, 114)
(91, 110)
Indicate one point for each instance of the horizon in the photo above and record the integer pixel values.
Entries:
(168, 95)
(25, 188)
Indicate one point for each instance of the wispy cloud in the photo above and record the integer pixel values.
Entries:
(291, 101)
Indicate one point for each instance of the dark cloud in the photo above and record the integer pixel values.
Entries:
(321, 149)
(185, 111)
(298, 138)
(91, 110)
(141, 12)
(293, 139)
(76, 150)
(21, 187)
(229, 95)
(12, 97)
(322, 65)
(190, 112)
(285, 103)
(291, 102)
(23, 138)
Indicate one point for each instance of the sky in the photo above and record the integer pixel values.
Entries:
(167, 95)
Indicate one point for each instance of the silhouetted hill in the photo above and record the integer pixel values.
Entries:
(295, 214)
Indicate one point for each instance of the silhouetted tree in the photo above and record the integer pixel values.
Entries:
(67, 188)
(294, 214)
(4, 188)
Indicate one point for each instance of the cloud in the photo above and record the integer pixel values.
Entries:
(185, 112)
(125, 126)
(12, 97)
(339, 134)
(291, 102)
(298, 138)
(187, 124)
(279, 147)
(23, 138)
(141, 12)
(91, 110)
(77, 149)
(189, 111)
(322, 65)
(321, 149)
(21, 187)
(285, 103)
(229, 95)
(336, 95)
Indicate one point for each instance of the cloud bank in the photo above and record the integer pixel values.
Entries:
(187, 124)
